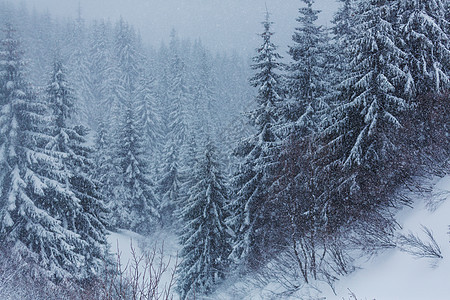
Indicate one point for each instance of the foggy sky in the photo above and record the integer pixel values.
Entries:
(228, 25)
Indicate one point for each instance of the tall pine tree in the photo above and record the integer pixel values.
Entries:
(343, 31)
(30, 221)
(175, 115)
(137, 207)
(204, 236)
(360, 157)
(307, 78)
(253, 216)
(77, 200)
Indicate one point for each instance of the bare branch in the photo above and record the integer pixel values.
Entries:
(413, 245)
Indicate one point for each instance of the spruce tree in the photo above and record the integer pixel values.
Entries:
(360, 140)
(146, 99)
(178, 95)
(187, 181)
(204, 236)
(253, 217)
(204, 117)
(169, 185)
(343, 31)
(175, 115)
(424, 36)
(134, 205)
(308, 82)
(80, 73)
(296, 189)
(106, 171)
(30, 221)
(77, 200)
(129, 58)
(104, 74)
(137, 206)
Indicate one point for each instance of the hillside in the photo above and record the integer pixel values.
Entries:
(396, 274)
(391, 275)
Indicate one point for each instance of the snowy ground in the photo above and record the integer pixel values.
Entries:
(397, 275)
(391, 275)
(161, 248)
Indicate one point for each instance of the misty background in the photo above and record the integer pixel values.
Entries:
(230, 25)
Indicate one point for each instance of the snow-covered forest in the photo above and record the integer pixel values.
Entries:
(287, 167)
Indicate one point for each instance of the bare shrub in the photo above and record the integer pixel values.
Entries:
(419, 248)
(305, 262)
(149, 276)
(141, 278)
(438, 196)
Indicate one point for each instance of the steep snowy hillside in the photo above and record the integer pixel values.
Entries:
(398, 275)
(394, 274)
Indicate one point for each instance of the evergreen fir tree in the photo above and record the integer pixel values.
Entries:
(147, 110)
(204, 113)
(106, 171)
(190, 161)
(134, 204)
(360, 138)
(29, 223)
(77, 201)
(204, 237)
(307, 79)
(253, 216)
(137, 206)
(295, 189)
(80, 73)
(170, 182)
(424, 34)
(129, 57)
(169, 185)
(343, 31)
(178, 101)
(104, 73)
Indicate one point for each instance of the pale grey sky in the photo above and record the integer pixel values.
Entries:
(221, 24)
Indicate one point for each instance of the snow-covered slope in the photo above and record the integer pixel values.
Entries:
(398, 275)
(121, 244)
(391, 275)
